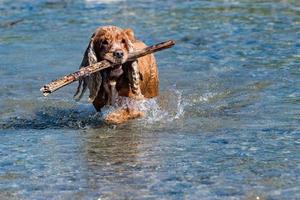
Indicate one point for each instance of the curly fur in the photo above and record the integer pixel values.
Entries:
(138, 79)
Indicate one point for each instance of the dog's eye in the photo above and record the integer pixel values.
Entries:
(123, 41)
(105, 42)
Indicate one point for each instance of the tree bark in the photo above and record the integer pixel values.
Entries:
(86, 71)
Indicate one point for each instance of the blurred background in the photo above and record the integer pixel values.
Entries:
(225, 126)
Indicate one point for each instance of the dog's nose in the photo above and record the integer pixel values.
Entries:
(118, 54)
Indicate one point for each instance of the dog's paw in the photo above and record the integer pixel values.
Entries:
(123, 115)
(138, 97)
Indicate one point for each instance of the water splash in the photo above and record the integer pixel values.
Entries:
(168, 107)
(164, 109)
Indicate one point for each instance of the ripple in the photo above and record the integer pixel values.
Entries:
(225, 126)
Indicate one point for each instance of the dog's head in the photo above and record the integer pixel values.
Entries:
(113, 44)
(107, 43)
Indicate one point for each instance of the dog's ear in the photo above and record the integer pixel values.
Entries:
(89, 57)
(130, 34)
(93, 82)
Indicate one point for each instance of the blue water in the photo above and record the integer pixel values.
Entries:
(225, 126)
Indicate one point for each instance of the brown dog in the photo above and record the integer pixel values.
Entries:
(138, 79)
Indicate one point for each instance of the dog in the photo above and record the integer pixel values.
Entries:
(137, 80)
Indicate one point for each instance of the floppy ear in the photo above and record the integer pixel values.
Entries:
(93, 82)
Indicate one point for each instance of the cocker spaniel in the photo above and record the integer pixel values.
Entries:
(137, 79)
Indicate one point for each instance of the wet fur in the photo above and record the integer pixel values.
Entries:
(138, 79)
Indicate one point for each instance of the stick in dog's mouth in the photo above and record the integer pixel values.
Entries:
(116, 70)
(86, 71)
(115, 62)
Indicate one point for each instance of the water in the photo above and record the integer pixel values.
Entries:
(226, 125)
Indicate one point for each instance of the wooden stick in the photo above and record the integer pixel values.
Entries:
(86, 71)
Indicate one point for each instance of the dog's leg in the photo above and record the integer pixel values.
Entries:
(106, 86)
(113, 92)
(107, 91)
(123, 115)
(134, 78)
(110, 87)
